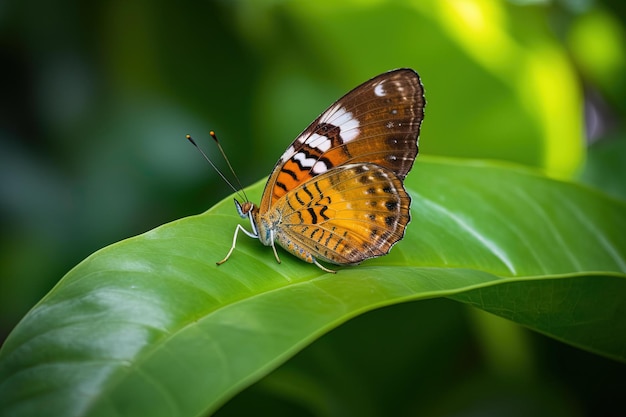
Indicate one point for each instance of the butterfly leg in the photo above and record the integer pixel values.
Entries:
(232, 248)
(322, 267)
(293, 247)
(274, 246)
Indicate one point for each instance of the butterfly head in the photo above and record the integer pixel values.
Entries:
(244, 209)
(248, 210)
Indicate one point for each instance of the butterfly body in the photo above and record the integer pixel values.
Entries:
(337, 193)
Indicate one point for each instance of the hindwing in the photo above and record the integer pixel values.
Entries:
(346, 215)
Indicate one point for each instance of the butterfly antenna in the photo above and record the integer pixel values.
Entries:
(193, 142)
(214, 136)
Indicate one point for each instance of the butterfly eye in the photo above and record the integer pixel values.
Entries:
(243, 209)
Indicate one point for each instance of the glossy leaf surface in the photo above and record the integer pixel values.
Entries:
(150, 326)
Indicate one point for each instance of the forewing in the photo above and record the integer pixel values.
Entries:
(377, 122)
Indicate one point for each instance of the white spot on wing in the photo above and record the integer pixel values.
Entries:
(319, 142)
(319, 167)
(330, 113)
(288, 153)
(350, 134)
(348, 125)
(304, 161)
(379, 90)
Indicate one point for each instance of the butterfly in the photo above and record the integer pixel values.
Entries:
(337, 193)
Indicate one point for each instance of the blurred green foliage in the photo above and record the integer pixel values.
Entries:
(97, 98)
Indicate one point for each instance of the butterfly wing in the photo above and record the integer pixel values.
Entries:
(377, 122)
(344, 216)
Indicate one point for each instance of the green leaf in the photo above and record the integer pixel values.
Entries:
(586, 311)
(151, 326)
